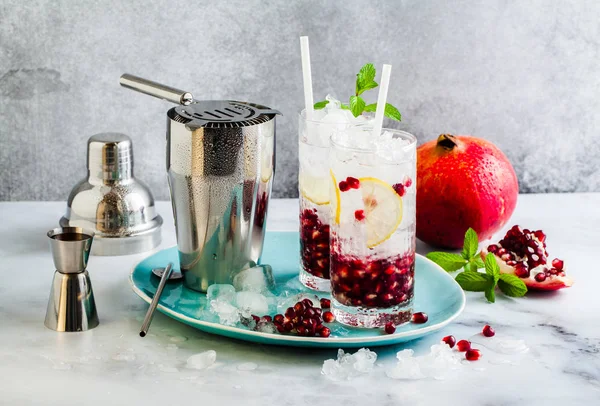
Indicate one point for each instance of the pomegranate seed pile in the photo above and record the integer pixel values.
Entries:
(372, 283)
(524, 250)
(303, 319)
(314, 244)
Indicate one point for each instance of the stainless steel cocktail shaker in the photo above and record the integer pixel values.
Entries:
(220, 164)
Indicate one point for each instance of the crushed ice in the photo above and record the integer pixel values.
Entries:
(348, 366)
(202, 360)
(440, 361)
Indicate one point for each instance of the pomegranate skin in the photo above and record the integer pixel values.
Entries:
(462, 182)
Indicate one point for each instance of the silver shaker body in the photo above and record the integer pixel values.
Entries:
(220, 179)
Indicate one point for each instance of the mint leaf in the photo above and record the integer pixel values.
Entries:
(491, 267)
(474, 281)
(357, 105)
(365, 77)
(471, 267)
(344, 106)
(490, 295)
(470, 245)
(512, 285)
(320, 105)
(367, 86)
(392, 112)
(448, 261)
(370, 108)
(478, 262)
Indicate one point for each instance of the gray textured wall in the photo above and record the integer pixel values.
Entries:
(524, 74)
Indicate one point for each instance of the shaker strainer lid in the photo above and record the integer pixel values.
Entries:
(222, 114)
(201, 113)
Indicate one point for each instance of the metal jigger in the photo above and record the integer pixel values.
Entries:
(71, 305)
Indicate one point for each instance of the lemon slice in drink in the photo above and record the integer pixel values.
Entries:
(315, 189)
(383, 210)
(335, 198)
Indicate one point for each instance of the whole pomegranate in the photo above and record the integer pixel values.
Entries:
(462, 182)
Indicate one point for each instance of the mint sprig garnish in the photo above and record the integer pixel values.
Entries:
(365, 80)
(472, 279)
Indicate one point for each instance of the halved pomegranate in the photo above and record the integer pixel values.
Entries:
(523, 253)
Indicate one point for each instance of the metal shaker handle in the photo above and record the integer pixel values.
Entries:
(156, 89)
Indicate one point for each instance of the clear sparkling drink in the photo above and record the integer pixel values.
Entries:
(372, 226)
(314, 182)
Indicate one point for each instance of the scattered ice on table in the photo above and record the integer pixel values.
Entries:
(227, 313)
(349, 366)
(256, 279)
(247, 366)
(252, 302)
(202, 360)
(223, 292)
(266, 327)
(125, 355)
(63, 366)
(178, 339)
(167, 368)
(508, 346)
(440, 361)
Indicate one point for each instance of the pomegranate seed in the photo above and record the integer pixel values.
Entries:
(290, 313)
(473, 354)
(540, 277)
(463, 345)
(328, 317)
(450, 340)
(299, 308)
(399, 188)
(492, 248)
(301, 330)
(344, 186)
(278, 318)
(307, 302)
(539, 234)
(255, 318)
(288, 326)
(310, 313)
(558, 264)
(325, 303)
(359, 215)
(390, 328)
(280, 327)
(420, 318)
(353, 183)
(324, 332)
(267, 318)
(408, 182)
(521, 270)
(318, 311)
(488, 331)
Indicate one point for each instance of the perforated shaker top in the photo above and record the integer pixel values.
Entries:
(222, 114)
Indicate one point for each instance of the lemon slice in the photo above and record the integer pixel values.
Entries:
(335, 199)
(315, 189)
(383, 210)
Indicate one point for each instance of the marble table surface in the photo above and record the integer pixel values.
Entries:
(113, 365)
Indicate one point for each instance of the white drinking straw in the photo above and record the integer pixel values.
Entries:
(382, 99)
(307, 77)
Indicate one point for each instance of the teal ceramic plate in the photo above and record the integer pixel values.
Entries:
(436, 293)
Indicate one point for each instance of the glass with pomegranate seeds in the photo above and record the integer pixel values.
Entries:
(314, 181)
(373, 220)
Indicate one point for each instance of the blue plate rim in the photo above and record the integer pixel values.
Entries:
(278, 338)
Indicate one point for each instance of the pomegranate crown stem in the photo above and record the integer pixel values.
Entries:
(446, 141)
